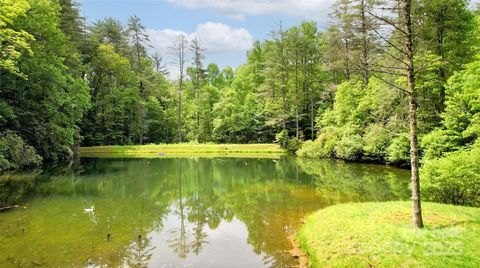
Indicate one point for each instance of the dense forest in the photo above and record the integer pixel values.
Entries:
(345, 91)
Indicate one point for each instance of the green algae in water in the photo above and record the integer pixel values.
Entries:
(197, 212)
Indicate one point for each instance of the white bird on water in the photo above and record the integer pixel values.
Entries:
(90, 210)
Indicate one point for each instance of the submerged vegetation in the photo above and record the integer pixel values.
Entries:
(14, 188)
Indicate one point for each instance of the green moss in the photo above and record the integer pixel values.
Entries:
(381, 235)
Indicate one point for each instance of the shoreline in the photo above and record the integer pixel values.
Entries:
(380, 234)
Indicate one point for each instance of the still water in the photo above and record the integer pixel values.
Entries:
(181, 212)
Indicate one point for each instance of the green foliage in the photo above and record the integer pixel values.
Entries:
(461, 119)
(310, 149)
(49, 104)
(15, 153)
(354, 128)
(440, 141)
(463, 101)
(349, 147)
(285, 142)
(282, 138)
(398, 152)
(375, 142)
(100, 87)
(113, 116)
(453, 179)
(323, 146)
(238, 114)
(13, 42)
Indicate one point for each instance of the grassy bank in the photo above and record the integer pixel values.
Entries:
(380, 235)
(172, 150)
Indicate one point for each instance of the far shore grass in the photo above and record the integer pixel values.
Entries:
(184, 149)
(381, 235)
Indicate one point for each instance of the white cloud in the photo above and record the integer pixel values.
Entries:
(218, 37)
(215, 38)
(162, 40)
(308, 9)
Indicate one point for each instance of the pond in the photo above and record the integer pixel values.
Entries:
(181, 212)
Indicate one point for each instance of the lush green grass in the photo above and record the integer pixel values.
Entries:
(381, 235)
(168, 150)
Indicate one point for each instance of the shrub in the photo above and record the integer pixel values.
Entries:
(375, 142)
(282, 139)
(349, 147)
(311, 149)
(4, 163)
(328, 139)
(15, 153)
(439, 142)
(398, 152)
(323, 146)
(287, 143)
(293, 145)
(454, 179)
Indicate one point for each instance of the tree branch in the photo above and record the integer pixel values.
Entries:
(386, 21)
(390, 43)
(391, 84)
(395, 57)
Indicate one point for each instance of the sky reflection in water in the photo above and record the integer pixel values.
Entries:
(182, 212)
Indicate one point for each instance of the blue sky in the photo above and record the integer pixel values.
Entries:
(226, 28)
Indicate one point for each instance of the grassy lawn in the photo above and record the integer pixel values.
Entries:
(380, 235)
(172, 150)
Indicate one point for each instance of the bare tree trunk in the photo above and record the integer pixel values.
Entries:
(142, 112)
(284, 105)
(297, 123)
(416, 202)
(366, 67)
(197, 59)
(284, 88)
(180, 117)
(347, 59)
(142, 89)
(178, 50)
(312, 123)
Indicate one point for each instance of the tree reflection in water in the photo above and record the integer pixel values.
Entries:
(179, 242)
(192, 211)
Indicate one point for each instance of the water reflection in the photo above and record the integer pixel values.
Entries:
(215, 212)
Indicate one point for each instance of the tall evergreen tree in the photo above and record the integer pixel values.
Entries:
(139, 38)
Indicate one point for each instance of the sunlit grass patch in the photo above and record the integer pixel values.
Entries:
(184, 149)
(381, 235)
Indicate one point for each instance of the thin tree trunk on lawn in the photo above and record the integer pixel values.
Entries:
(416, 202)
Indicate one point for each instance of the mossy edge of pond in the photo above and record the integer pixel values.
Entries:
(381, 235)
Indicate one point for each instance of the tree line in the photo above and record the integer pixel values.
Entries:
(404, 93)
(66, 84)
(387, 81)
